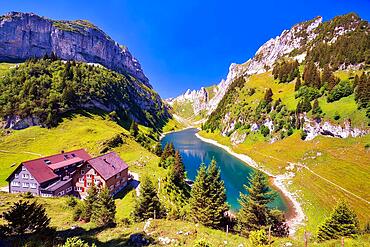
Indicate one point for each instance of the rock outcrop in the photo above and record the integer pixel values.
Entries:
(26, 35)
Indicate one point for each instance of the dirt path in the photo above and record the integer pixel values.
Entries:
(317, 175)
(25, 152)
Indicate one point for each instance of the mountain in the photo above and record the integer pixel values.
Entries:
(67, 66)
(26, 35)
(340, 45)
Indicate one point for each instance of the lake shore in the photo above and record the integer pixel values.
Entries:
(295, 216)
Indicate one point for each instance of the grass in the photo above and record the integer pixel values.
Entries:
(345, 162)
(4, 67)
(173, 125)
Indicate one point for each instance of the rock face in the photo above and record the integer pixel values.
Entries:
(26, 35)
(314, 128)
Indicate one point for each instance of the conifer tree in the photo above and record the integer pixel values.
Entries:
(342, 222)
(147, 204)
(179, 167)
(316, 109)
(158, 149)
(25, 217)
(268, 95)
(199, 199)
(254, 213)
(92, 196)
(217, 194)
(134, 129)
(168, 151)
(104, 208)
(297, 83)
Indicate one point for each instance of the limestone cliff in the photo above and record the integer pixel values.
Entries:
(27, 35)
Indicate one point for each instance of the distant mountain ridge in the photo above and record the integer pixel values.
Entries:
(27, 35)
(302, 42)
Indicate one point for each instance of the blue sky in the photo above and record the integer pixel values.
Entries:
(189, 44)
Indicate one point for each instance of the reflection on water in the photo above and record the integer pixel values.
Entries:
(233, 171)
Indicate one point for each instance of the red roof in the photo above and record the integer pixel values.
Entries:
(41, 169)
(64, 163)
(108, 165)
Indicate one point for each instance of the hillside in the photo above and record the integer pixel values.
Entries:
(38, 92)
(300, 108)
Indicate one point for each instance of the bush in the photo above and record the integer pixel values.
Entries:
(343, 89)
(71, 201)
(265, 130)
(303, 135)
(309, 93)
(258, 238)
(76, 242)
(27, 195)
(336, 116)
(202, 243)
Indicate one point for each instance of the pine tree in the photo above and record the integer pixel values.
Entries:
(297, 83)
(134, 129)
(25, 217)
(342, 222)
(104, 208)
(268, 95)
(92, 196)
(217, 195)
(168, 151)
(147, 204)
(254, 213)
(179, 167)
(316, 109)
(158, 149)
(199, 199)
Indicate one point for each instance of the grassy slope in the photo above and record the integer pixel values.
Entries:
(343, 161)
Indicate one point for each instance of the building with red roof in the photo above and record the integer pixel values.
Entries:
(69, 173)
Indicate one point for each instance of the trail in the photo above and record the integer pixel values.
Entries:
(24, 152)
(318, 175)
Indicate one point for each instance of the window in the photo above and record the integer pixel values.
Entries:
(88, 184)
(48, 162)
(16, 175)
(61, 193)
(69, 189)
(117, 176)
(73, 155)
(23, 168)
(88, 166)
(80, 179)
(88, 176)
(66, 156)
(32, 185)
(31, 177)
(96, 181)
(78, 188)
(111, 187)
(25, 185)
(15, 184)
(25, 176)
(82, 172)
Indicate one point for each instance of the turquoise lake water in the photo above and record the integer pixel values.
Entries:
(234, 172)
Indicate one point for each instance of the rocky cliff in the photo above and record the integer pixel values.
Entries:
(26, 35)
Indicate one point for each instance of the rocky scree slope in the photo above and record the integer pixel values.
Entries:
(27, 35)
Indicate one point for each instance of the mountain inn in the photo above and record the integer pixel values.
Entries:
(69, 173)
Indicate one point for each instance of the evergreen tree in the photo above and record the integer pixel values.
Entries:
(134, 129)
(217, 195)
(342, 222)
(297, 83)
(268, 95)
(88, 203)
(316, 109)
(158, 149)
(104, 208)
(179, 167)
(304, 105)
(254, 213)
(168, 152)
(25, 217)
(148, 204)
(199, 199)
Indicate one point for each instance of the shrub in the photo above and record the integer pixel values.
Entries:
(258, 238)
(202, 243)
(265, 130)
(76, 242)
(27, 195)
(309, 93)
(303, 135)
(336, 116)
(343, 89)
(71, 201)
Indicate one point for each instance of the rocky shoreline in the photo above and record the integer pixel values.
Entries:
(296, 215)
